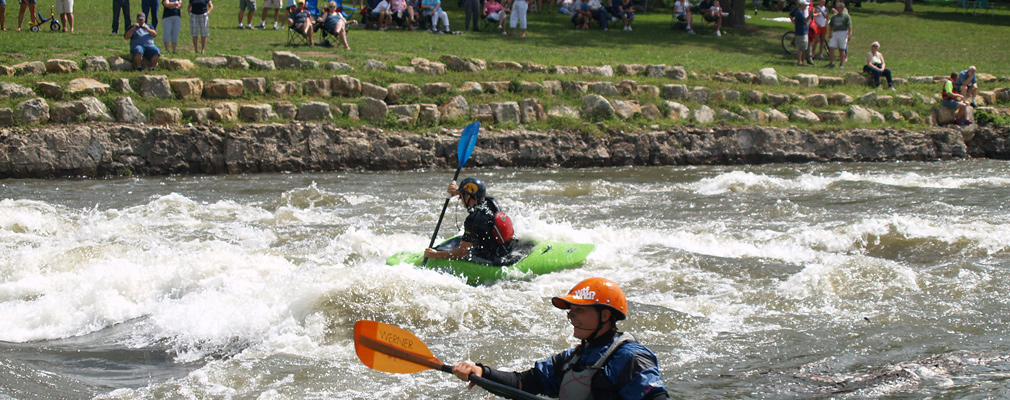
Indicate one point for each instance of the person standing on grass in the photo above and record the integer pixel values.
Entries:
(199, 23)
(267, 6)
(171, 23)
(65, 9)
(519, 9)
(243, 6)
(471, 11)
(801, 19)
(117, 6)
(30, 5)
(150, 8)
(839, 33)
(3, 15)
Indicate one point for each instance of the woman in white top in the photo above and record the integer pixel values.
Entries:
(876, 66)
(821, 20)
(682, 11)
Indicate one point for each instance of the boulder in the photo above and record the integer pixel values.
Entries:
(911, 116)
(432, 68)
(868, 99)
(155, 86)
(310, 64)
(482, 113)
(373, 110)
(256, 112)
(6, 117)
(86, 86)
(747, 77)
(726, 115)
(462, 65)
(656, 71)
(677, 111)
(402, 69)
(122, 85)
(563, 111)
(505, 66)
(651, 112)
(428, 114)
(506, 112)
(768, 76)
(117, 63)
(372, 65)
(1001, 95)
(191, 88)
(730, 95)
(405, 113)
(703, 114)
(631, 69)
(211, 62)
(57, 66)
(531, 111)
(350, 110)
(236, 62)
(66, 112)
(224, 112)
(831, 115)
(574, 87)
(535, 68)
(496, 87)
(197, 115)
(564, 70)
(317, 87)
(285, 88)
(627, 87)
(943, 115)
(904, 99)
(777, 116)
(223, 88)
(167, 116)
(374, 91)
(254, 85)
(456, 107)
(596, 106)
(29, 68)
(674, 92)
(262, 65)
(286, 109)
(817, 100)
(436, 88)
(603, 70)
(345, 85)
(676, 73)
(626, 109)
(839, 99)
(699, 94)
(95, 110)
(286, 60)
(527, 87)
(95, 64)
(775, 100)
(853, 78)
(754, 96)
(807, 80)
(552, 87)
(48, 90)
(801, 115)
(126, 112)
(831, 81)
(14, 91)
(176, 64)
(755, 115)
(399, 91)
(471, 88)
(314, 111)
(605, 89)
(649, 90)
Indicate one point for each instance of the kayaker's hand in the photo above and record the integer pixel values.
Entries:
(430, 253)
(464, 369)
(453, 189)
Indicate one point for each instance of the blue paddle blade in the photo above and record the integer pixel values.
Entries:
(467, 140)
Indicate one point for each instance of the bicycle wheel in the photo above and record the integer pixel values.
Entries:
(54, 26)
(789, 42)
(35, 28)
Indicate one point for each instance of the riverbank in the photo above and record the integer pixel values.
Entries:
(104, 150)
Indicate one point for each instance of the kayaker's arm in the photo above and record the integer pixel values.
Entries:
(463, 251)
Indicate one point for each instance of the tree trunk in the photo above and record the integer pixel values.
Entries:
(738, 8)
(908, 5)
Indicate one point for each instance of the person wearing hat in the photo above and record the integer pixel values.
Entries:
(801, 19)
(141, 36)
(607, 363)
(299, 20)
(839, 33)
(487, 232)
(199, 23)
(876, 66)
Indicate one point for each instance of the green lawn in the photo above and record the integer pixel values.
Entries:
(932, 41)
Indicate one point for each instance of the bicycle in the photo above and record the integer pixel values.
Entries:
(789, 42)
(54, 25)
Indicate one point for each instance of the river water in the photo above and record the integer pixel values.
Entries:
(775, 281)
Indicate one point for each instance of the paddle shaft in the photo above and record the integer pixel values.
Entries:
(440, 216)
(434, 363)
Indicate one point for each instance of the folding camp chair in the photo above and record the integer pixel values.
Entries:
(965, 4)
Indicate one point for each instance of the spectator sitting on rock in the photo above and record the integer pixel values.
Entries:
(712, 12)
(299, 20)
(967, 84)
(682, 12)
(877, 67)
(141, 37)
(951, 99)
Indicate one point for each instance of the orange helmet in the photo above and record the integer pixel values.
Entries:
(595, 292)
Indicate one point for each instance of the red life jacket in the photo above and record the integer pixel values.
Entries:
(503, 231)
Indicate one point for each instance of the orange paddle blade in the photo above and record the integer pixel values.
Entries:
(388, 348)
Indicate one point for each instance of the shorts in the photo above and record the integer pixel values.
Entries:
(950, 103)
(199, 25)
(148, 51)
(3, 2)
(958, 84)
(26, 1)
(64, 7)
(275, 4)
(801, 42)
(682, 17)
(244, 5)
(495, 16)
(839, 40)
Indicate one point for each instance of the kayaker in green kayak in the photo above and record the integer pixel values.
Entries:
(607, 364)
(487, 232)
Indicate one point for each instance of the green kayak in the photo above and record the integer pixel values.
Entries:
(530, 258)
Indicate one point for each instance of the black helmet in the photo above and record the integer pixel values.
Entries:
(472, 187)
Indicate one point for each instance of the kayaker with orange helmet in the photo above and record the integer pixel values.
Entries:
(487, 232)
(608, 364)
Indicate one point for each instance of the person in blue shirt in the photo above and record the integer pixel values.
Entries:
(801, 19)
(607, 364)
(434, 9)
(299, 20)
(141, 37)
(967, 84)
